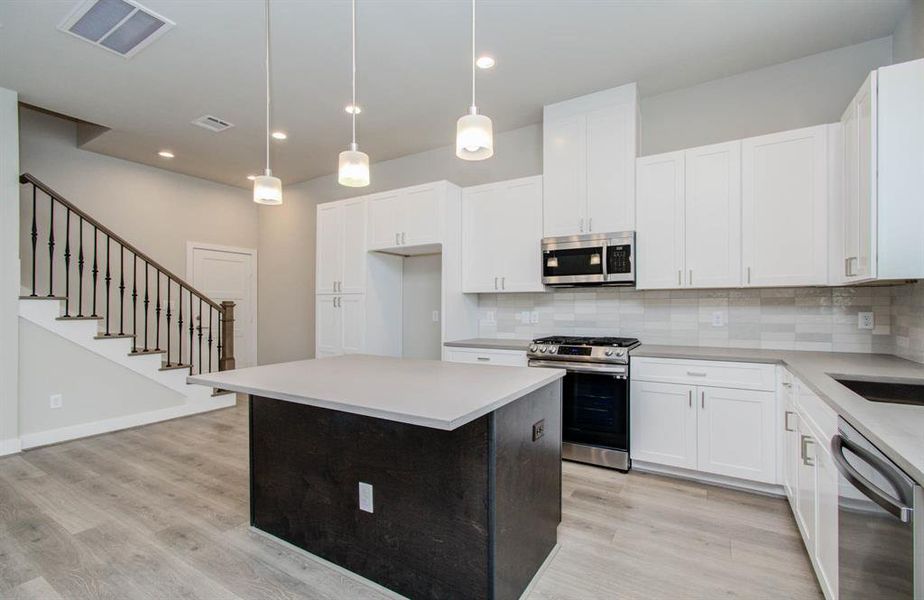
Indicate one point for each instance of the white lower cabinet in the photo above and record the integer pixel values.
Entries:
(662, 423)
(504, 358)
(811, 480)
(700, 426)
(340, 322)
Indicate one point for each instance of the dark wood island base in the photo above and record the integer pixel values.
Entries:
(467, 513)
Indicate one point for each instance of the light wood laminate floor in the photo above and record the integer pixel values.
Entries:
(161, 512)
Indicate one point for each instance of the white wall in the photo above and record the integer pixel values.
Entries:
(9, 272)
(50, 364)
(156, 210)
(908, 39)
(421, 296)
(807, 91)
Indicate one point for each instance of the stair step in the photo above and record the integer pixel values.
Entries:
(174, 367)
(144, 352)
(73, 318)
(42, 298)
(113, 336)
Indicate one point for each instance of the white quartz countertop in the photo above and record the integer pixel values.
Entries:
(490, 344)
(431, 393)
(896, 429)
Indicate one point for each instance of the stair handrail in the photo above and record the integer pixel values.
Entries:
(225, 309)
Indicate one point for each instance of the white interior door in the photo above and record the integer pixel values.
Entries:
(229, 274)
(713, 216)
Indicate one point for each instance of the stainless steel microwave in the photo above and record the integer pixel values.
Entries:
(590, 259)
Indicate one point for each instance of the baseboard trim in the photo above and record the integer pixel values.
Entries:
(10, 446)
(73, 432)
(768, 489)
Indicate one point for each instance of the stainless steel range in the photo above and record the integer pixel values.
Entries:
(595, 395)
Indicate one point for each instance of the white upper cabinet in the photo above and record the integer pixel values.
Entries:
(406, 218)
(712, 216)
(501, 236)
(659, 238)
(589, 150)
(881, 215)
(341, 249)
(785, 208)
(689, 218)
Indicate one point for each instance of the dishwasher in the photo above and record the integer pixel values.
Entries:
(880, 525)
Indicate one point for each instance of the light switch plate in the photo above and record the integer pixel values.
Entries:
(55, 401)
(436, 316)
(718, 319)
(865, 320)
(534, 317)
(365, 496)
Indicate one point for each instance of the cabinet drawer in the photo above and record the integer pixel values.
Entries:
(507, 358)
(745, 376)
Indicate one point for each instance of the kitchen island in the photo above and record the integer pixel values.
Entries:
(432, 479)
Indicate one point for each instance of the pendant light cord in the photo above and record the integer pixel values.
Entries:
(354, 72)
(473, 53)
(267, 65)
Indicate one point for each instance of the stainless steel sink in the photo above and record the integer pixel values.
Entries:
(886, 391)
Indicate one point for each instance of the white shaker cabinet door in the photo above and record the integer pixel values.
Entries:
(482, 231)
(785, 207)
(329, 328)
(352, 308)
(660, 210)
(519, 246)
(737, 433)
(353, 278)
(329, 248)
(382, 211)
(610, 139)
(419, 216)
(712, 216)
(564, 194)
(860, 193)
(662, 419)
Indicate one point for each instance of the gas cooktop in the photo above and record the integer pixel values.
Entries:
(585, 349)
(615, 342)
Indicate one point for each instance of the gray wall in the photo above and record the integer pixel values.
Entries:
(156, 210)
(421, 294)
(908, 40)
(807, 91)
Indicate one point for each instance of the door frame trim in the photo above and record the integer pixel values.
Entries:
(252, 252)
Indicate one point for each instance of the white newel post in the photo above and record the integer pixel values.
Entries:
(9, 272)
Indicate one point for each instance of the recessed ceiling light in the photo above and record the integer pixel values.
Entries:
(485, 62)
(165, 154)
(353, 109)
(251, 177)
(279, 135)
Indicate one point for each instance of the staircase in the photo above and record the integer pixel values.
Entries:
(88, 285)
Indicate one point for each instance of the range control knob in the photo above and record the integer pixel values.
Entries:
(542, 349)
(552, 349)
(608, 353)
(533, 348)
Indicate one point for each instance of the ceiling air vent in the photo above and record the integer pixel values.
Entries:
(120, 26)
(212, 123)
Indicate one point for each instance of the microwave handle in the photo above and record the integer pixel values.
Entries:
(894, 506)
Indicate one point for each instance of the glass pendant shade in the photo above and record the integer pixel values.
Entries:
(474, 136)
(267, 189)
(354, 168)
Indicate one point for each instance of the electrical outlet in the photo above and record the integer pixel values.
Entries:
(489, 316)
(55, 401)
(365, 496)
(534, 317)
(718, 319)
(436, 316)
(865, 320)
(538, 429)
(523, 316)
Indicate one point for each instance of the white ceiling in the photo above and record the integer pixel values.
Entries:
(413, 61)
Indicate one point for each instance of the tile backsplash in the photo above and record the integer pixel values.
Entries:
(908, 321)
(778, 318)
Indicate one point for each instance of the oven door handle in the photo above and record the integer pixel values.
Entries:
(579, 367)
(894, 506)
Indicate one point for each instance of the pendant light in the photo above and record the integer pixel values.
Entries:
(266, 188)
(354, 165)
(474, 132)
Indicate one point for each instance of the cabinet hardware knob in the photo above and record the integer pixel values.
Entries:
(702, 399)
(495, 283)
(397, 239)
(679, 277)
(484, 358)
(690, 398)
(786, 416)
(696, 374)
(691, 276)
(403, 237)
(503, 283)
